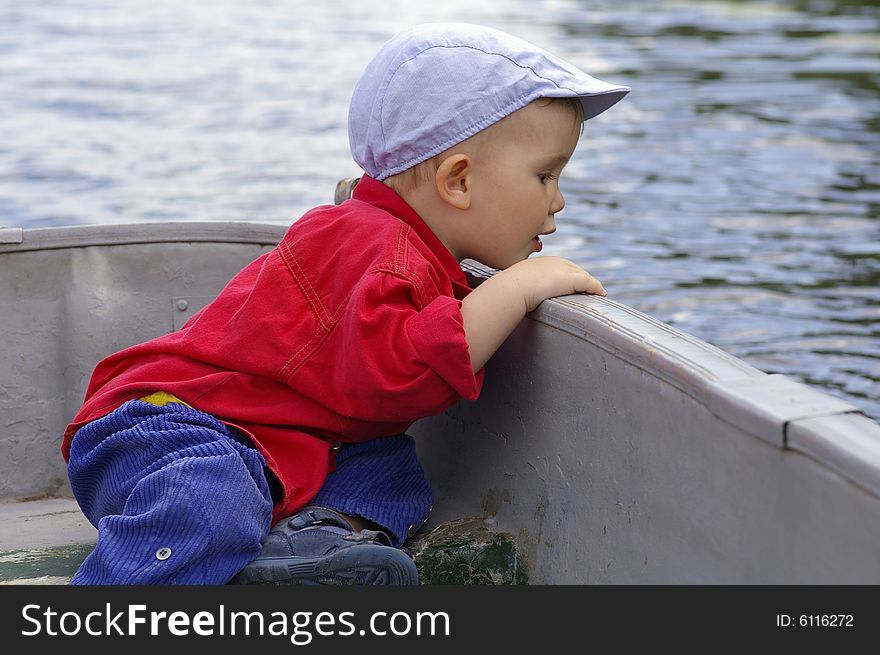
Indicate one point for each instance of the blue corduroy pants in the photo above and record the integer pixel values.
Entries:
(179, 497)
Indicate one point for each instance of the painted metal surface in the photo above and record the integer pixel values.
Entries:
(620, 451)
(73, 295)
(615, 448)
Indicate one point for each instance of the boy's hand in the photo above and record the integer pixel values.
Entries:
(492, 310)
(548, 277)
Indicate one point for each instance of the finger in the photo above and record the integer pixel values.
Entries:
(595, 287)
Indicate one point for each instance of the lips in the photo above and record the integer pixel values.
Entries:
(536, 240)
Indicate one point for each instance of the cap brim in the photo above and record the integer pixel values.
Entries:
(595, 104)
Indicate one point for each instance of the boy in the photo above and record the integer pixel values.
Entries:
(286, 400)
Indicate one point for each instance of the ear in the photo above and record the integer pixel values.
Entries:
(453, 180)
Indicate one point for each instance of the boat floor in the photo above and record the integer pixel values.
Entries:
(45, 540)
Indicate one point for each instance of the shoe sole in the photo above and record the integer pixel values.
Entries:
(362, 565)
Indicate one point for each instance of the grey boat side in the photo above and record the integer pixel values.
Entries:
(615, 448)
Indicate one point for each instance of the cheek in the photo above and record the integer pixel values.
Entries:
(522, 196)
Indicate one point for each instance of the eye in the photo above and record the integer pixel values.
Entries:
(546, 177)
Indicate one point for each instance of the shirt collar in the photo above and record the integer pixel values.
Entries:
(379, 195)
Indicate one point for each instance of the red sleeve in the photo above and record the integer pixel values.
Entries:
(437, 334)
(390, 359)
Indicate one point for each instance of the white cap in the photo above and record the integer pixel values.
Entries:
(435, 85)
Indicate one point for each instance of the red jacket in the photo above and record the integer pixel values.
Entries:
(349, 329)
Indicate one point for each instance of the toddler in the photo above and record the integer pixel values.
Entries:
(285, 402)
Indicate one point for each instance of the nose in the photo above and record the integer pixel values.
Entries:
(558, 202)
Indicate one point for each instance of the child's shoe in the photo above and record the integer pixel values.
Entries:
(318, 545)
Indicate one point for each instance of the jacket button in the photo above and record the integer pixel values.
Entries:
(163, 553)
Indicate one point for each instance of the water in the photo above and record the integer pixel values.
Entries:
(733, 194)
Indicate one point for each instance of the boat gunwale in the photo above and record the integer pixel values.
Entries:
(84, 236)
(774, 408)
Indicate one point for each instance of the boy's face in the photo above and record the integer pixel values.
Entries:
(516, 183)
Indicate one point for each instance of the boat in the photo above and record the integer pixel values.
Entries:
(608, 447)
